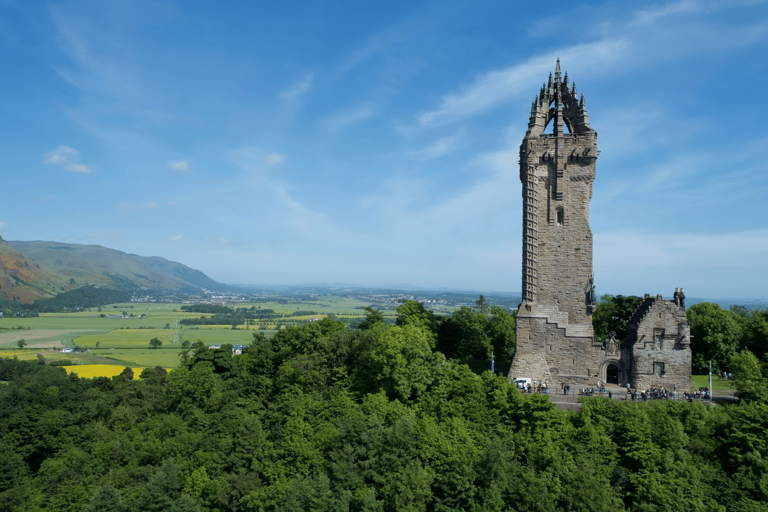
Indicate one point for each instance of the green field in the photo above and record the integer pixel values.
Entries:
(124, 340)
(702, 381)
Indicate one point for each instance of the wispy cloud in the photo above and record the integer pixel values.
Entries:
(150, 205)
(286, 213)
(78, 168)
(217, 240)
(439, 148)
(495, 87)
(660, 262)
(648, 37)
(179, 165)
(651, 16)
(67, 157)
(298, 88)
(345, 118)
(61, 155)
(174, 238)
(274, 158)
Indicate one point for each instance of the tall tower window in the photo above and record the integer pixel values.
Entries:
(560, 216)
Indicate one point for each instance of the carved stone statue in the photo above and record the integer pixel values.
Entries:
(590, 291)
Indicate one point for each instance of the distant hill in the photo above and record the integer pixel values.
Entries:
(22, 279)
(73, 265)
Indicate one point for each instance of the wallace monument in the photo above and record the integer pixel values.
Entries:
(555, 338)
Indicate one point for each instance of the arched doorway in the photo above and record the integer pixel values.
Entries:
(612, 374)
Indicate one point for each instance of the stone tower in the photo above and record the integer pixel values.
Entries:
(555, 339)
(554, 322)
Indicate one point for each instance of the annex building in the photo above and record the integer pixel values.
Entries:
(555, 338)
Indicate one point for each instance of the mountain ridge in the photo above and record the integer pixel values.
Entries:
(66, 266)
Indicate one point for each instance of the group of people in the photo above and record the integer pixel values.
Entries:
(542, 387)
(654, 393)
(698, 394)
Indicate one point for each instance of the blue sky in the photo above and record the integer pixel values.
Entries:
(376, 143)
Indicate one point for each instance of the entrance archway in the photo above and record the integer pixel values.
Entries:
(612, 374)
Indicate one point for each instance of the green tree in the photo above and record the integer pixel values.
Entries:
(373, 317)
(162, 490)
(21, 343)
(155, 343)
(413, 313)
(501, 331)
(756, 333)
(751, 376)
(403, 363)
(106, 499)
(716, 335)
(482, 304)
(465, 335)
(612, 314)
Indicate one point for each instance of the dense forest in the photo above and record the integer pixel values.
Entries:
(323, 417)
(81, 298)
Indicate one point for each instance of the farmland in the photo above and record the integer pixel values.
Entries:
(119, 334)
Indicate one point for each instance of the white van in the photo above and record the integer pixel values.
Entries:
(523, 382)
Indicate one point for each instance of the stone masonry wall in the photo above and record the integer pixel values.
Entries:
(564, 243)
(659, 336)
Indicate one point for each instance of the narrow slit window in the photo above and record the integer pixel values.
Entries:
(560, 217)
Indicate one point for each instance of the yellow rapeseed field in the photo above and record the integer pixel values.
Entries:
(89, 371)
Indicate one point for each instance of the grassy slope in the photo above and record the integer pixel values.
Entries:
(22, 278)
(93, 264)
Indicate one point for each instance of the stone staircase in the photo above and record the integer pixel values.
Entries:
(560, 319)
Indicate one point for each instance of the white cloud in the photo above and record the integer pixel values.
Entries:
(217, 240)
(348, 117)
(644, 38)
(495, 87)
(640, 262)
(298, 88)
(62, 155)
(2, 225)
(150, 205)
(651, 16)
(174, 238)
(179, 165)
(438, 148)
(67, 157)
(274, 158)
(78, 168)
